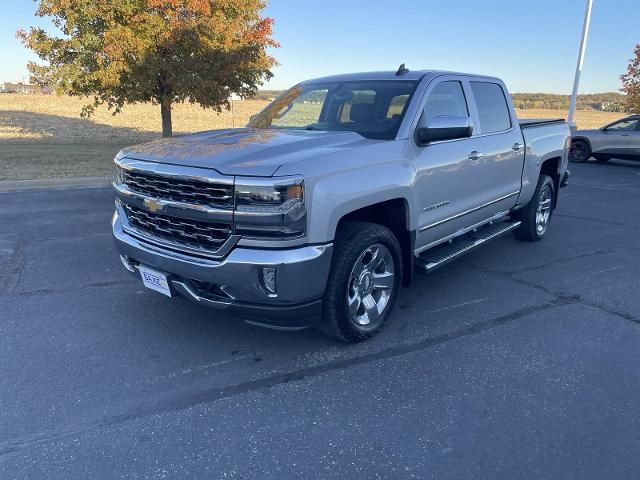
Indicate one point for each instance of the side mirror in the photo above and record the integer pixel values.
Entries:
(445, 127)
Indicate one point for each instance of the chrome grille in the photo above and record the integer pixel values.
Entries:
(182, 231)
(182, 190)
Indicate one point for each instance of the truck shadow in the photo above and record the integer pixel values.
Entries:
(38, 145)
(19, 126)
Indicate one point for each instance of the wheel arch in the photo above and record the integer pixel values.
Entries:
(551, 168)
(395, 215)
(583, 139)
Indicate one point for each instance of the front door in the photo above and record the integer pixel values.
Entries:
(621, 139)
(448, 173)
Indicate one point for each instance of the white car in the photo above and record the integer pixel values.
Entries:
(620, 139)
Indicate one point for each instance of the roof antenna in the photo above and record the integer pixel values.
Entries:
(402, 70)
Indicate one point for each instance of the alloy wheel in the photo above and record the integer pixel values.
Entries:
(543, 210)
(370, 286)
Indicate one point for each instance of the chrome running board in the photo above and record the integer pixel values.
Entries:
(443, 254)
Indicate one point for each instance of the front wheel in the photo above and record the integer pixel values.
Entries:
(536, 215)
(366, 274)
(579, 152)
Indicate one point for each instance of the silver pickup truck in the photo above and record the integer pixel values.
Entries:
(327, 202)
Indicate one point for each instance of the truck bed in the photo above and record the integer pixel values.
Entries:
(532, 122)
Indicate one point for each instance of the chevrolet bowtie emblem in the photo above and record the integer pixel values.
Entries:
(153, 205)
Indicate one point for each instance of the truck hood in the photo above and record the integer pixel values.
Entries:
(243, 151)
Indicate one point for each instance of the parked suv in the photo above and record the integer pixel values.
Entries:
(620, 139)
(333, 195)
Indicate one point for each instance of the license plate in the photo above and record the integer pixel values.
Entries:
(155, 280)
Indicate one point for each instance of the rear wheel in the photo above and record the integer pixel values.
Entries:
(363, 284)
(580, 151)
(536, 215)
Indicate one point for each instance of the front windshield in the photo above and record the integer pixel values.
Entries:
(374, 109)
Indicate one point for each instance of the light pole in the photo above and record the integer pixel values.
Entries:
(576, 81)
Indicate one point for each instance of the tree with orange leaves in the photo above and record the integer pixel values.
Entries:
(631, 82)
(159, 51)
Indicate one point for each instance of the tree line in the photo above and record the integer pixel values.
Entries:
(607, 102)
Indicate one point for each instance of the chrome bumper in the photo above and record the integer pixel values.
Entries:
(234, 284)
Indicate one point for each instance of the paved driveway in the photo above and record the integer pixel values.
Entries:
(518, 361)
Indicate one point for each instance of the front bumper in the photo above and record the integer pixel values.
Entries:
(233, 284)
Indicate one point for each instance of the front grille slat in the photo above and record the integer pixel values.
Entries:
(179, 190)
(202, 237)
(185, 232)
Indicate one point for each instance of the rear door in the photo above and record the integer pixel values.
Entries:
(499, 140)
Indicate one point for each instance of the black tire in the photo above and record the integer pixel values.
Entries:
(579, 152)
(530, 229)
(353, 240)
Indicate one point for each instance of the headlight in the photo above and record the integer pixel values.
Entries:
(270, 207)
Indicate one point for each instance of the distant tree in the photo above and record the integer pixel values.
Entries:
(158, 51)
(631, 82)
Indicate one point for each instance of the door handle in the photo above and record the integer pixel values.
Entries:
(475, 156)
(517, 147)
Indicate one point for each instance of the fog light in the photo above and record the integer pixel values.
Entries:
(269, 279)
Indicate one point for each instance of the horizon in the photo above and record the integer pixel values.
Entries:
(511, 93)
(372, 32)
(284, 89)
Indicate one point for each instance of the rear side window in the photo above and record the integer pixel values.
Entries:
(447, 98)
(492, 107)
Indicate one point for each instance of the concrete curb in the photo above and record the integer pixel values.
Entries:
(55, 184)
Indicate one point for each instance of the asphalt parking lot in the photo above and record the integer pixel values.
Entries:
(518, 361)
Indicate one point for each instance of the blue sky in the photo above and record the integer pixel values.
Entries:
(532, 45)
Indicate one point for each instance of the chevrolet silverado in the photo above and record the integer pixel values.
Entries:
(334, 195)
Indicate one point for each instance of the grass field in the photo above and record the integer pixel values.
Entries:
(43, 136)
(584, 118)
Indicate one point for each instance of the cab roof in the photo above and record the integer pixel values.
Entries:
(412, 75)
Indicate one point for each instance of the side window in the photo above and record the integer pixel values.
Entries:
(447, 98)
(492, 107)
(359, 97)
(624, 125)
